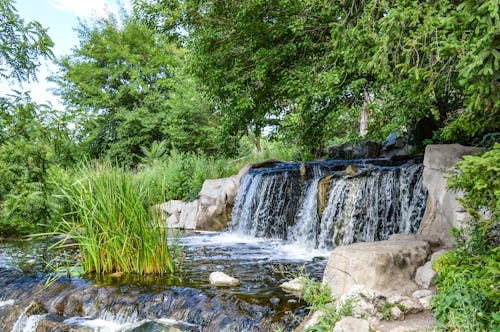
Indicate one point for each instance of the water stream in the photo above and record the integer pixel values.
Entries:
(281, 225)
(188, 303)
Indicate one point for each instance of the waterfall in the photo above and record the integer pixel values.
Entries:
(380, 199)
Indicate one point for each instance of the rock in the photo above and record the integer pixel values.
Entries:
(410, 305)
(216, 203)
(220, 279)
(422, 293)
(365, 302)
(425, 275)
(323, 192)
(394, 141)
(425, 302)
(312, 319)
(433, 241)
(396, 145)
(303, 170)
(212, 210)
(351, 324)
(54, 326)
(178, 214)
(443, 211)
(274, 300)
(293, 286)
(367, 149)
(385, 266)
(396, 313)
(342, 151)
(351, 170)
(438, 254)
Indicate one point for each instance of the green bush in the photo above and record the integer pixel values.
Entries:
(469, 276)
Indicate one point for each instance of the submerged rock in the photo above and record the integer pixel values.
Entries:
(220, 279)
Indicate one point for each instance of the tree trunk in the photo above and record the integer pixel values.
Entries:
(365, 113)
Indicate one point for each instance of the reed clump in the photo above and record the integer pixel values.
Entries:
(113, 224)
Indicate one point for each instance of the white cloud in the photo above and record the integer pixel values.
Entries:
(86, 8)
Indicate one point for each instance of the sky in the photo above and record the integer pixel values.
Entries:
(60, 17)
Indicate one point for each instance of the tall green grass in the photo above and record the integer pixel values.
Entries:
(181, 175)
(113, 224)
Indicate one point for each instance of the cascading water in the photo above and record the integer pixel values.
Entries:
(380, 199)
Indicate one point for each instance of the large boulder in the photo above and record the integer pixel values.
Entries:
(365, 149)
(217, 198)
(443, 211)
(385, 266)
(351, 324)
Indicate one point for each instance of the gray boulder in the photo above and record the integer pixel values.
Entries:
(351, 324)
(178, 214)
(425, 275)
(385, 266)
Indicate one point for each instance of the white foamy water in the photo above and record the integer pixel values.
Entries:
(5, 303)
(272, 249)
(116, 325)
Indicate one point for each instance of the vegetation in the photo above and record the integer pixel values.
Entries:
(21, 44)
(319, 298)
(469, 276)
(111, 220)
(310, 68)
(126, 86)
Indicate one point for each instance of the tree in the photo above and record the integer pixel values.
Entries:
(120, 80)
(309, 67)
(34, 141)
(21, 44)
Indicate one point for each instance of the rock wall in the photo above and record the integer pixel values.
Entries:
(212, 210)
(443, 211)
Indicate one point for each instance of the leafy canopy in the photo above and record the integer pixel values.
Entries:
(127, 87)
(21, 44)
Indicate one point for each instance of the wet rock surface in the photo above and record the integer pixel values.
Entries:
(65, 298)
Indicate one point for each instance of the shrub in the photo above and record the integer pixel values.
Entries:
(469, 276)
